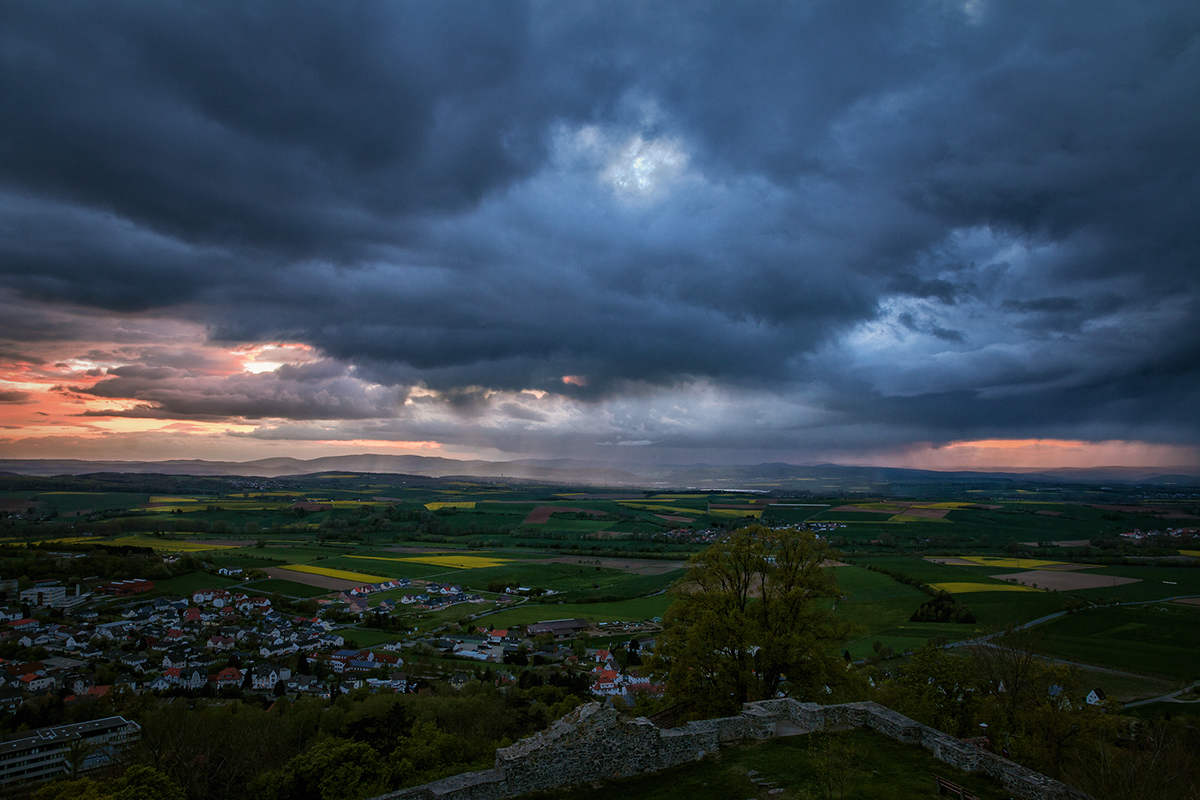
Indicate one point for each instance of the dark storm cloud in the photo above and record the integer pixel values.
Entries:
(165, 393)
(955, 219)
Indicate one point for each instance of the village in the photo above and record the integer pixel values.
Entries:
(219, 639)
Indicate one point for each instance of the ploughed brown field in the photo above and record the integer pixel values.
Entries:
(542, 513)
(930, 513)
(309, 579)
(1065, 581)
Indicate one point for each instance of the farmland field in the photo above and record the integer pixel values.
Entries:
(877, 605)
(192, 582)
(967, 587)
(450, 561)
(1158, 639)
(366, 637)
(168, 545)
(392, 569)
(642, 608)
(1154, 583)
(340, 574)
(289, 588)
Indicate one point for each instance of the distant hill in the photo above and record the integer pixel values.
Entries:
(569, 471)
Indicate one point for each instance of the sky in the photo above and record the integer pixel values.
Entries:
(923, 233)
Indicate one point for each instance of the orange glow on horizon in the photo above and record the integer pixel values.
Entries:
(1035, 454)
(385, 443)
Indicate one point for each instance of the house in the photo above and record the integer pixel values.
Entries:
(160, 684)
(306, 684)
(607, 683)
(278, 649)
(193, 678)
(264, 677)
(135, 661)
(230, 676)
(32, 682)
(1096, 697)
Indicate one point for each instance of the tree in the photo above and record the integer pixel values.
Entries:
(748, 619)
(837, 762)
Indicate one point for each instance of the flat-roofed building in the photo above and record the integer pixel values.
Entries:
(45, 596)
(49, 752)
(558, 628)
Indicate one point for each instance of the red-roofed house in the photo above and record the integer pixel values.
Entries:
(230, 676)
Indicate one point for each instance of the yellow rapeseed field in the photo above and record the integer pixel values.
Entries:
(343, 574)
(436, 506)
(453, 561)
(967, 588)
(1018, 563)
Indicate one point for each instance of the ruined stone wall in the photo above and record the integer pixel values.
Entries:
(596, 743)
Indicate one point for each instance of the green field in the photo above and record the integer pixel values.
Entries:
(560, 577)
(286, 588)
(991, 609)
(365, 637)
(1153, 583)
(1124, 687)
(643, 608)
(886, 770)
(877, 606)
(192, 582)
(66, 503)
(1159, 639)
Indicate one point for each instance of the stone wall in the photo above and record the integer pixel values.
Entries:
(597, 743)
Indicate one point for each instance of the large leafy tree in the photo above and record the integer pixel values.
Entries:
(748, 618)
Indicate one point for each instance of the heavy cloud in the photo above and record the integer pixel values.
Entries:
(793, 226)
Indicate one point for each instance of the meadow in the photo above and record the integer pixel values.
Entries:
(639, 609)
(1159, 639)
